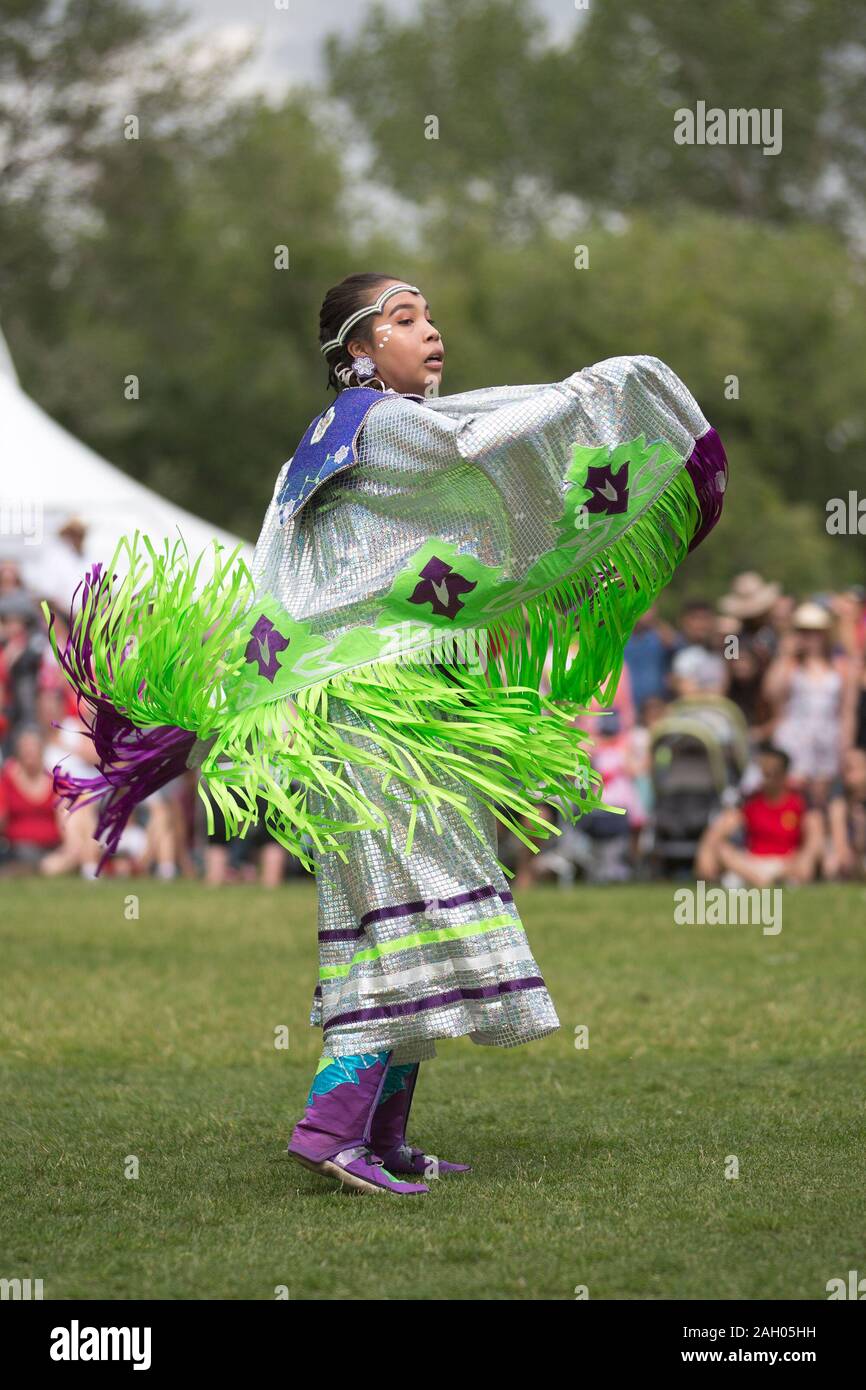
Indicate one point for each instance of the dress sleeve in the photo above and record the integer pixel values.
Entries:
(514, 449)
(608, 404)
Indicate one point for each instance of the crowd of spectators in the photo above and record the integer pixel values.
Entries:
(770, 688)
(783, 677)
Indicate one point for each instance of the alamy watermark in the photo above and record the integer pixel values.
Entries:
(77, 1343)
(854, 1287)
(846, 516)
(736, 126)
(729, 907)
(24, 517)
(21, 1289)
(416, 643)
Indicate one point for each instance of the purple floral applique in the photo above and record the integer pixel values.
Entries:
(439, 586)
(609, 490)
(264, 644)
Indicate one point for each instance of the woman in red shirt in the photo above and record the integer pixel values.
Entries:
(28, 803)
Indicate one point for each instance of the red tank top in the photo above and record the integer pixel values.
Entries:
(774, 827)
(26, 818)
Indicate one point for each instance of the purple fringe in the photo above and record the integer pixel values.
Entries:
(133, 762)
(708, 469)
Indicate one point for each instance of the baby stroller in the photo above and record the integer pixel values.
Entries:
(698, 753)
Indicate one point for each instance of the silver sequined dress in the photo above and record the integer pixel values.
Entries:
(430, 945)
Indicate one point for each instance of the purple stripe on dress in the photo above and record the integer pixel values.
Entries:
(473, 895)
(436, 1001)
(379, 914)
(708, 470)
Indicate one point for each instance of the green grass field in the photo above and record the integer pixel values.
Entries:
(604, 1167)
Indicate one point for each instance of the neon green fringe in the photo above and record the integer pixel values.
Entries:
(161, 654)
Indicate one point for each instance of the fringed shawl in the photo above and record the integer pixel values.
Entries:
(419, 560)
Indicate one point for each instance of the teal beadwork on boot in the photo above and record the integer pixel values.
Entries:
(336, 1071)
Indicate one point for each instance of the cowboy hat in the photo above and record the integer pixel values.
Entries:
(750, 596)
(811, 617)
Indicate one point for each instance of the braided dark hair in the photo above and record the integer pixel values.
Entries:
(344, 299)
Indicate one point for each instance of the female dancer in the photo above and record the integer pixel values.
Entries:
(517, 516)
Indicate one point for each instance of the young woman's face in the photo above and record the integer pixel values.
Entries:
(812, 642)
(407, 347)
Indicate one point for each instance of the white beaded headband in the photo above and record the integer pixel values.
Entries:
(374, 308)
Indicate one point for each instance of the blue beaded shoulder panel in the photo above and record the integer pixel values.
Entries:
(328, 446)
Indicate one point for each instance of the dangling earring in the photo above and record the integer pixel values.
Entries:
(361, 369)
(364, 368)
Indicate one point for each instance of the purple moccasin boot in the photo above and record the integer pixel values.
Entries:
(333, 1138)
(388, 1134)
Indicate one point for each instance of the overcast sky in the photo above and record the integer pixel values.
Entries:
(291, 36)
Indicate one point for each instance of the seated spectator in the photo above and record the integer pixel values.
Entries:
(531, 866)
(783, 837)
(29, 826)
(846, 849)
(163, 848)
(66, 742)
(604, 844)
(697, 671)
(229, 861)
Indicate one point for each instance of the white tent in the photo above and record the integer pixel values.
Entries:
(48, 476)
